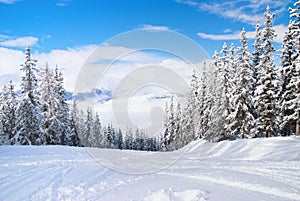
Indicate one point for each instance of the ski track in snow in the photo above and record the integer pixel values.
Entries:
(265, 169)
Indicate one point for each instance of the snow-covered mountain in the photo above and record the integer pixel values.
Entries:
(255, 169)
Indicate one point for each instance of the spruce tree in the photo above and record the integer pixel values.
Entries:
(29, 116)
(48, 104)
(241, 117)
(8, 102)
(288, 91)
(266, 91)
(74, 139)
(62, 110)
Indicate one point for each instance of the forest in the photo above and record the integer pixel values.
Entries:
(239, 94)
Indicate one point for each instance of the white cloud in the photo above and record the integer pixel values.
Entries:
(19, 42)
(63, 3)
(247, 11)
(149, 27)
(71, 61)
(233, 36)
(279, 29)
(10, 61)
(227, 30)
(8, 1)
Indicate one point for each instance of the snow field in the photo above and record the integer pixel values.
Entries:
(255, 169)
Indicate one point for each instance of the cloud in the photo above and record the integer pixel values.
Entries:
(227, 30)
(8, 1)
(63, 3)
(71, 60)
(10, 61)
(279, 29)
(247, 11)
(233, 36)
(18, 42)
(149, 27)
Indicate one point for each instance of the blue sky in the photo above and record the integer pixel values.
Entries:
(62, 24)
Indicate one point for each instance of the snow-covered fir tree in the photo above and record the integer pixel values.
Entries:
(88, 138)
(48, 104)
(191, 112)
(241, 117)
(118, 139)
(98, 137)
(220, 102)
(74, 139)
(178, 142)
(8, 107)
(266, 90)
(287, 92)
(128, 138)
(29, 117)
(169, 137)
(62, 111)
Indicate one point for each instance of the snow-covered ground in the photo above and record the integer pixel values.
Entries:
(257, 169)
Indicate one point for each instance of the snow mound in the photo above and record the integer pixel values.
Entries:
(271, 149)
(171, 195)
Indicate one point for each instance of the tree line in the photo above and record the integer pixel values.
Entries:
(239, 94)
(40, 115)
(243, 94)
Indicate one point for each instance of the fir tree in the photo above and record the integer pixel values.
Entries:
(29, 116)
(266, 90)
(62, 111)
(288, 91)
(48, 104)
(97, 139)
(74, 139)
(8, 102)
(241, 117)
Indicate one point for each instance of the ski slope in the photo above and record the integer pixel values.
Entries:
(256, 169)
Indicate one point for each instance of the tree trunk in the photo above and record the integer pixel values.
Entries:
(268, 133)
(297, 129)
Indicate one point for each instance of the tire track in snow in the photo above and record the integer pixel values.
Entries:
(239, 184)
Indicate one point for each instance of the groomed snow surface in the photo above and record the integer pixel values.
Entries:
(256, 169)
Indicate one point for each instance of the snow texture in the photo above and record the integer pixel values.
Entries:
(253, 169)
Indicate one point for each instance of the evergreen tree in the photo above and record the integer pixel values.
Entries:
(119, 141)
(191, 112)
(202, 123)
(97, 133)
(29, 116)
(48, 104)
(178, 142)
(109, 136)
(74, 139)
(169, 137)
(288, 90)
(220, 107)
(87, 140)
(3, 137)
(266, 91)
(62, 111)
(8, 102)
(241, 117)
(128, 138)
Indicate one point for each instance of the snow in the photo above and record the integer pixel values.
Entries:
(255, 169)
